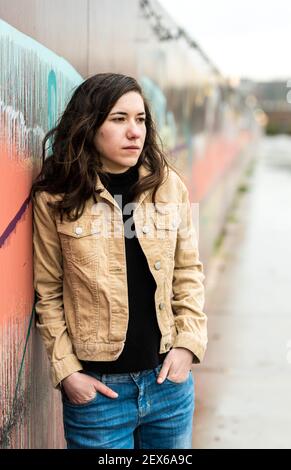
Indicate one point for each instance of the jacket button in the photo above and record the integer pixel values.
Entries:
(145, 229)
(158, 265)
(161, 306)
(78, 230)
(174, 223)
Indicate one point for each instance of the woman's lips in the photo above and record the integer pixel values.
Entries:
(131, 149)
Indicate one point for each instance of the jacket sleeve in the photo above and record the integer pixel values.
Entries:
(188, 290)
(48, 283)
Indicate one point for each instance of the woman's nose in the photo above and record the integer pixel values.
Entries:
(133, 131)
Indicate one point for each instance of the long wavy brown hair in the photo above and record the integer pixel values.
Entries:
(72, 167)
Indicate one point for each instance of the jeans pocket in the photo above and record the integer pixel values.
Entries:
(178, 383)
(67, 402)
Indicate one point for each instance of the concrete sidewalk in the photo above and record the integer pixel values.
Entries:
(243, 387)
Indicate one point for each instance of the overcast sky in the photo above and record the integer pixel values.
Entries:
(249, 38)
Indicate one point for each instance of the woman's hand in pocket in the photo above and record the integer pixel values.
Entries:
(176, 365)
(81, 388)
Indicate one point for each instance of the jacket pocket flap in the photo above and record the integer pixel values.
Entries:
(80, 228)
(166, 221)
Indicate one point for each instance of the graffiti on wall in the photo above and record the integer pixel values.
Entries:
(35, 84)
(163, 117)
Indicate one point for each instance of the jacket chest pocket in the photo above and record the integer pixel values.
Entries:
(81, 240)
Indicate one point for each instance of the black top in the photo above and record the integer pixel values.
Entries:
(141, 350)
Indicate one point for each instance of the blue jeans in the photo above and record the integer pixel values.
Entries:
(145, 415)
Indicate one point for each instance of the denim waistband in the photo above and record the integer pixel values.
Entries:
(124, 377)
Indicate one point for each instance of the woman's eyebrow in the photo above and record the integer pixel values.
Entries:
(125, 114)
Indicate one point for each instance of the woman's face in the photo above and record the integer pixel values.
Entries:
(121, 137)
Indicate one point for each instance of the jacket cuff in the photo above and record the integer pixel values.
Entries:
(189, 341)
(63, 368)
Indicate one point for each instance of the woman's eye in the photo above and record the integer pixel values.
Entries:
(122, 119)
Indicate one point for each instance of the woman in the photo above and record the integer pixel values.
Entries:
(117, 274)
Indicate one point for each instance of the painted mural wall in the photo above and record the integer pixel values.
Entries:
(34, 85)
(47, 48)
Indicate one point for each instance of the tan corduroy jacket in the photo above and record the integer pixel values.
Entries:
(81, 281)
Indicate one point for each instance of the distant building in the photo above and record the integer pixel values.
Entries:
(274, 98)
